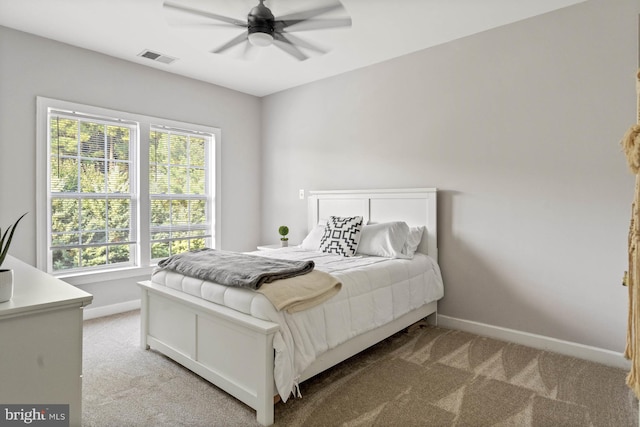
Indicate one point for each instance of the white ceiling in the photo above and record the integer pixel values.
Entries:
(381, 30)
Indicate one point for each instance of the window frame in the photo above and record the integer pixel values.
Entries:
(143, 264)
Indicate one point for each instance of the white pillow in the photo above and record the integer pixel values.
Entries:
(341, 235)
(386, 239)
(413, 241)
(312, 241)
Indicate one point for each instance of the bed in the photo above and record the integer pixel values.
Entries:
(244, 346)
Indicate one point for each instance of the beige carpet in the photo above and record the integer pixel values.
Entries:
(427, 377)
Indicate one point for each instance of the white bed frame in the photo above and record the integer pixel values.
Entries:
(211, 340)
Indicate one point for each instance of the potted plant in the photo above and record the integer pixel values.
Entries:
(283, 231)
(6, 275)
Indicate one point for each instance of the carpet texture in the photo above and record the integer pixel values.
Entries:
(428, 376)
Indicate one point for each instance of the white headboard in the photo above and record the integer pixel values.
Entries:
(415, 206)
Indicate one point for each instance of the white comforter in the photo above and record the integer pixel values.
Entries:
(374, 292)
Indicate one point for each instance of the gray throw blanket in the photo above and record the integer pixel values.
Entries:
(234, 268)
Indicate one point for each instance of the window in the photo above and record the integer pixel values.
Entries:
(120, 191)
(178, 192)
(91, 194)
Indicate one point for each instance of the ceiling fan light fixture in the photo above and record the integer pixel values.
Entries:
(260, 39)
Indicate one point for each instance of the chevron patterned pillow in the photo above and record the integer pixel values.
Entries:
(341, 235)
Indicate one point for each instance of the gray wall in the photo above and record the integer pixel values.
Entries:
(519, 128)
(31, 66)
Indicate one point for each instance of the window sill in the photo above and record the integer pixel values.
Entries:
(86, 278)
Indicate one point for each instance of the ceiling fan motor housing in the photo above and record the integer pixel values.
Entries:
(260, 20)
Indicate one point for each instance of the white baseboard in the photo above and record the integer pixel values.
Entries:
(108, 310)
(568, 348)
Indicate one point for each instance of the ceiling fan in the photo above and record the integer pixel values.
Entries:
(264, 29)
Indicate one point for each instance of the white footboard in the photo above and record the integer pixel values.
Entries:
(233, 350)
(230, 349)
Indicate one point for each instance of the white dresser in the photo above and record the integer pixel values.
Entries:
(41, 341)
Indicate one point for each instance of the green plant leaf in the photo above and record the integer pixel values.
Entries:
(4, 246)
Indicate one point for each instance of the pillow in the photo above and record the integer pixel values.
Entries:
(312, 241)
(341, 235)
(413, 241)
(385, 239)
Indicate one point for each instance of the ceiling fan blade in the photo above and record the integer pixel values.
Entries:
(314, 24)
(280, 41)
(201, 25)
(302, 43)
(187, 9)
(233, 42)
(307, 14)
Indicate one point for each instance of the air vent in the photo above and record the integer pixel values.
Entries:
(158, 57)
